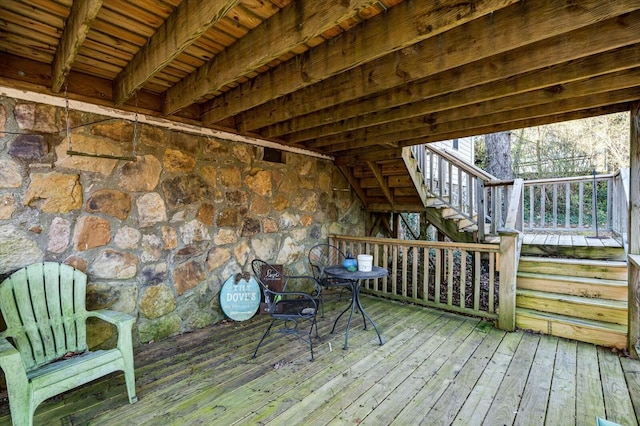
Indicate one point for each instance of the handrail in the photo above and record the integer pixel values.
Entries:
(467, 167)
(569, 179)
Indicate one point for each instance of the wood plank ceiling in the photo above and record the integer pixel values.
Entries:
(353, 79)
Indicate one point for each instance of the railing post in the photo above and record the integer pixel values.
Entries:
(633, 334)
(508, 273)
(480, 199)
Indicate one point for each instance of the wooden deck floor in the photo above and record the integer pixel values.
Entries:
(568, 239)
(435, 368)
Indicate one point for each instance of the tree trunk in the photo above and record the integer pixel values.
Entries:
(498, 152)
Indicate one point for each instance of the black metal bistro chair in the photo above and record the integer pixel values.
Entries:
(321, 256)
(297, 302)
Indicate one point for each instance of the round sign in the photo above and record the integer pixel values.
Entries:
(240, 298)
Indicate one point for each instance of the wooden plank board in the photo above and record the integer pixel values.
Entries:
(419, 407)
(355, 400)
(589, 397)
(565, 240)
(533, 405)
(562, 395)
(505, 405)
(388, 409)
(254, 397)
(613, 311)
(631, 368)
(479, 400)
(574, 267)
(615, 389)
(456, 394)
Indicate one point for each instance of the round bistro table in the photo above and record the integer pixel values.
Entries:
(355, 278)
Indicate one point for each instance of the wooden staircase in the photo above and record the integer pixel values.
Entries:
(582, 299)
(448, 188)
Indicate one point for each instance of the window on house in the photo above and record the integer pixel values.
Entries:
(455, 144)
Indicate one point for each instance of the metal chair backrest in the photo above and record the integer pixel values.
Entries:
(323, 255)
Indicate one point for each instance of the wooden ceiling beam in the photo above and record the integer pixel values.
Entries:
(292, 26)
(562, 110)
(622, 58)
(190, 20)
(509, 28)
(381, 181)
(355, 184)
(362, 156)
(522, 123)
(77, 26)
(398, 130)
(399, 27)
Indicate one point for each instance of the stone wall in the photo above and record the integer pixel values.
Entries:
(157, 236)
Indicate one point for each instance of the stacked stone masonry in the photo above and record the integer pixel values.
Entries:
(157, 236)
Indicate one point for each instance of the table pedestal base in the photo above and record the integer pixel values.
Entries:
(355, 303)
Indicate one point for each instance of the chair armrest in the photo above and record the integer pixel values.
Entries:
(113, 317)
(13, 367)
(122, 321)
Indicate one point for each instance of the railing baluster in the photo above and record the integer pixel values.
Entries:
(394, 270)
(425, 274)
(414, 275)
(463, 278)
(438, 274)
(405, 257)
(555, 206)
(450, 272)
(477, 272)
(492, 268)
(567, 205)
(543, 208)
(531, 205)
(609, 203)
(581, 206)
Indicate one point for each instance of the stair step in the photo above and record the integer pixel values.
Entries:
(575, 286)
(607, 269)
(466, 223)
(574, 252)
(614, 311)
(595, 332)
(437, 203)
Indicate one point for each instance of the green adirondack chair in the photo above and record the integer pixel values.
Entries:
(43, 351)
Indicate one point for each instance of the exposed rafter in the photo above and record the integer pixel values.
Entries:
(536, 70)
(183, 27)
(83, 12)
(294, 25)
(401, 26)
(478, 39)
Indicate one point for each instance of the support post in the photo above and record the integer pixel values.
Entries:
(508, 274)
(633, 334)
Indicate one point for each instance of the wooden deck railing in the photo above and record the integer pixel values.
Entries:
(576, 204)
(462, 278)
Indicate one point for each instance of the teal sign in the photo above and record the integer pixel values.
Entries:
(240, 297)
